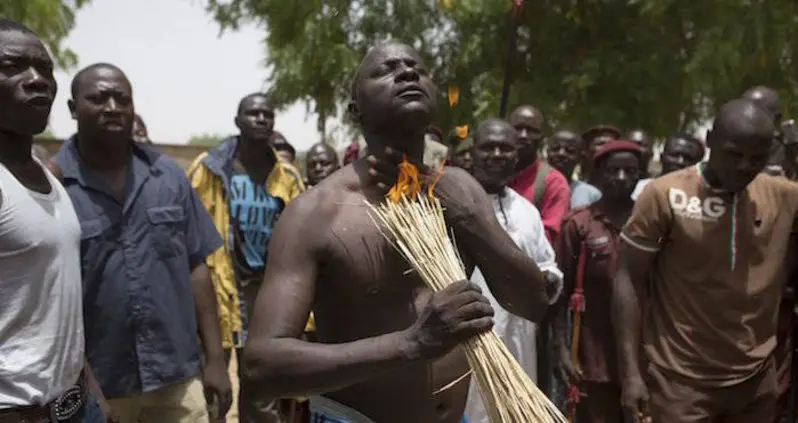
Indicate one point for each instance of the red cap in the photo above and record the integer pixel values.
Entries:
(615, 146)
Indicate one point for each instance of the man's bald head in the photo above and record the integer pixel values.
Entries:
(393, 93)
(766, 98)
(102, 106)
(740, 143)
(743, 118)
(495, 154)
(22, 50)
(494, 125)
(528, 123)
(569, 135)
(322, 148)
(564, 149)
(93, 71)
(255, 119)
(527, 112)
(321, 161)
(247, 100)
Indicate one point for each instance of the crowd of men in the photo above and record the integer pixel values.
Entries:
(129, 283)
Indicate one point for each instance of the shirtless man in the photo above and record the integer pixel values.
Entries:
(389, 345)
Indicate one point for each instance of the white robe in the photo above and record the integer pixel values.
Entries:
(522, 222)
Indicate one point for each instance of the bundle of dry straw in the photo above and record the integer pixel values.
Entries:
(415, 225)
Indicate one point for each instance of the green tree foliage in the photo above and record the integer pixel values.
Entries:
(657, 64)
(206, 140)
(51, 19)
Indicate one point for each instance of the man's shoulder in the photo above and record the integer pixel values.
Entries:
(776, 191)
(461, 178)
(456, 172)
(779, 184)
(324, 200)
(308, 207)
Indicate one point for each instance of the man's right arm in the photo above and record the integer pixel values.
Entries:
(628, 296)
(643, 236)
(277, 364)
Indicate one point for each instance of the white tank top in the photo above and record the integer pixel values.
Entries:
(41, 310)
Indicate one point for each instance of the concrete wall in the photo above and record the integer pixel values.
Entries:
(182, 154)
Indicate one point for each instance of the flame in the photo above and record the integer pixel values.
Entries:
(461, 131)
(435, 180)
(454, 95)
(408, 185)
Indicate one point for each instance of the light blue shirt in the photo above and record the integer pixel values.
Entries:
(583, 194)
(255, 213)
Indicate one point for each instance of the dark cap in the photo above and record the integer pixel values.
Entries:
(601, 130)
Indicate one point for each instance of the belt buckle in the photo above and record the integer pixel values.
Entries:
(68, 404)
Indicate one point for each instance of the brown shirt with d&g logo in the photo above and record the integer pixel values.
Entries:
(718, 275)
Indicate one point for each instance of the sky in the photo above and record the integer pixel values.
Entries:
(186, 79)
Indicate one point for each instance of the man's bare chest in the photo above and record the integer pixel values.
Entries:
(360, 260)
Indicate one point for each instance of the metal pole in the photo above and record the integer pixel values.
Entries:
(518, 6)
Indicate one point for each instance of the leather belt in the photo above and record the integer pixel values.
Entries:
(63, 408)
(25, 415)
